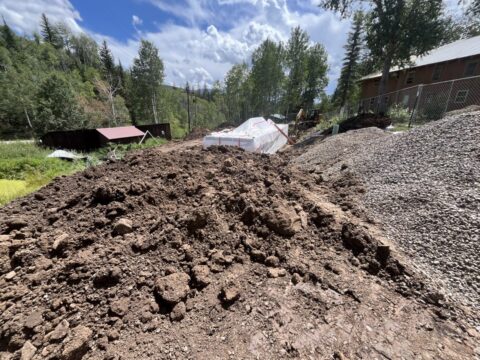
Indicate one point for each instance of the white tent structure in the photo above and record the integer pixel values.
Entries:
(255, 135)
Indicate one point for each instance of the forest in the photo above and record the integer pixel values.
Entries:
(58, 80)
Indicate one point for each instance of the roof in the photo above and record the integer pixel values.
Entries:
(456, 50)
(120, 132)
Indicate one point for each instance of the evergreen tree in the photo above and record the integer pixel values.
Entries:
(50, 33)
(8, 36)
(397, 30)
(147, 76)
(347, 83)
(106, 57)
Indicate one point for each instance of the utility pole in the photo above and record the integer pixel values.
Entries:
(188, 108)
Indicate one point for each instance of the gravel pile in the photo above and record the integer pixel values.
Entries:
(424, 186)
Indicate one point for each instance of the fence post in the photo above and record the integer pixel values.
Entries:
(448, 98)
(419, 93)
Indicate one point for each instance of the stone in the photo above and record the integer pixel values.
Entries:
(228, 162)
(9, 276)
(257, 256)
(113, 335)
(77, 344)
(296, 278)
(28, 351)
(60, 242)
(178, 312)
(60, 331)
(119, 307)
(201, 275)
(229, 294)
(272, 261)
(172, 288)
(33, 320)
(123, 226)
(276, 272)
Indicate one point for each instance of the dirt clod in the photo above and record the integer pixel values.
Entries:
(77, 344)
(172, 288)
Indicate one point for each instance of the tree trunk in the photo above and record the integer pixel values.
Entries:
(28, 118)
(154, 107)
(114, 113)
(382, 87)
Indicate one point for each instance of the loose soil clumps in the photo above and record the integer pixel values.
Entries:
(208, 254)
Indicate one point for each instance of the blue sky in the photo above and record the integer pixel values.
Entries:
(199, 40)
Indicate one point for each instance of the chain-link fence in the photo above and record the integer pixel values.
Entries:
(420, 103)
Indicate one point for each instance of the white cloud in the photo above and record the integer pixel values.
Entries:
(211, 36)
(24, 15)
(136, 20)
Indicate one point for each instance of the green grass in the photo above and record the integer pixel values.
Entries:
(400, 127)
(24, 167)
(11, 189)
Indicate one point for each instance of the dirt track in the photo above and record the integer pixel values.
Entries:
(211, 255)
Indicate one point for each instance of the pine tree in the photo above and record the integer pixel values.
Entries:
(107, 60)
(8, 36)
(49, 33)
(347, 83)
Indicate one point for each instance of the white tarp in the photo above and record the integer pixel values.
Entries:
(255, 135)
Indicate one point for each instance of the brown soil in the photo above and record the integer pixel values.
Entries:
(361, 121)
(197, 133)
(211, 255)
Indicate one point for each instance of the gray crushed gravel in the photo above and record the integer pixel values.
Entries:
(424, 187)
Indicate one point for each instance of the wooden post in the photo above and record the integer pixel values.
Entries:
(188, 108)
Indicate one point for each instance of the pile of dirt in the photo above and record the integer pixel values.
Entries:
(423, 186)
(197, 133)
(361, 121)
(210, 254)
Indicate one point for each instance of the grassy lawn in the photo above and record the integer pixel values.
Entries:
(24, 167)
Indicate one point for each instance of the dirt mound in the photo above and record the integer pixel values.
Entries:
(208, 254)
(361, 121)
(197, 133)
(422, 185)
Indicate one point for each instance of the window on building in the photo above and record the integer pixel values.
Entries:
(437, 72)
(410, 79)
(461, 96)
(471, 68)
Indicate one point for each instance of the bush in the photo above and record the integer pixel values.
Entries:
(399, 114)
(431, 111)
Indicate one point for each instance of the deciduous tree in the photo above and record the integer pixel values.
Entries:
(147, 76)
(397, 30)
